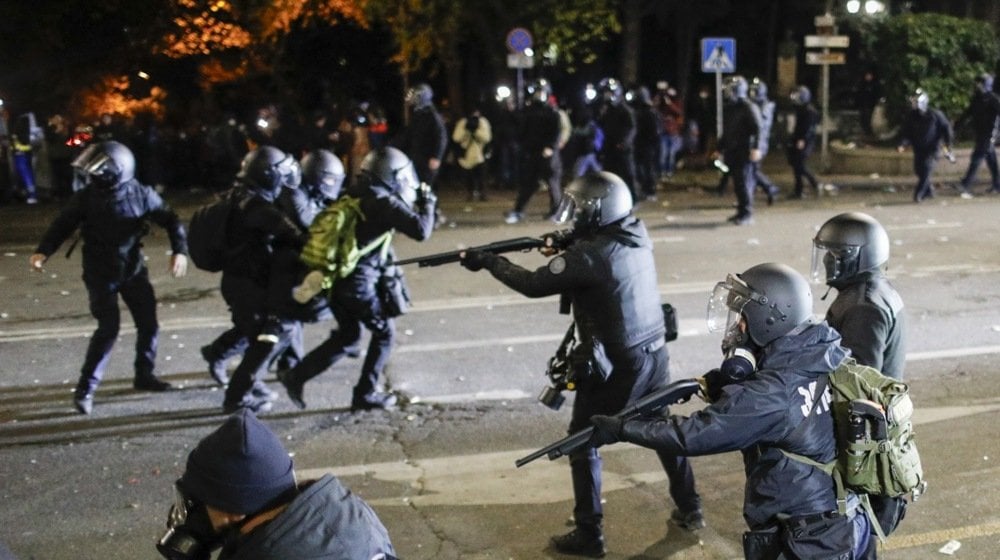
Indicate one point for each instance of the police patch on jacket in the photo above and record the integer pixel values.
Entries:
(557, 265)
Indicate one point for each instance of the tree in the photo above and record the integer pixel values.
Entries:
(940, 54)
(444, 36)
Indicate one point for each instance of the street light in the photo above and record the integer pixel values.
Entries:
(871, 7)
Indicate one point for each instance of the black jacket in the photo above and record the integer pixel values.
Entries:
(425, 138)
(740, 131)
(982, 112)
(761, 416)
(806, 120)
(256, 233)
(926, 131)
(618, 123)
(383, 211)
(610, 280)
(112, 224)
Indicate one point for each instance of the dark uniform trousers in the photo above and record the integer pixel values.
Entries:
(138, 295)
(637, 372)
(352, 313)
(923, 166)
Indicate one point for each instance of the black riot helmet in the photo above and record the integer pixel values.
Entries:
(984, 83)
(419, 96)
(771, 298)
(390, 167)
(322, 174)
(267, 169)
(801, 95)
(919, 100)
(736, 88)
(758, 90)
(594, 201)
(846, 246)
(610, 90)
(106, 165)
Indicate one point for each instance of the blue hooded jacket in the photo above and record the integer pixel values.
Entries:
(761, 416)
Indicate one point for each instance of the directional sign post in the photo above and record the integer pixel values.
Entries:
(519, 43)
(718, 56)
(826, 40)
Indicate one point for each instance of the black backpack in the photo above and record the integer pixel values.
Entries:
(208, 243)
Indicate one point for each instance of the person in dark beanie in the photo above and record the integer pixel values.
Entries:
(239, 493)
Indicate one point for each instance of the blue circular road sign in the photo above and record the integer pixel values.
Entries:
(519, 39)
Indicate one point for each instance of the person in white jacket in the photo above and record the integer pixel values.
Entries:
(472, 134)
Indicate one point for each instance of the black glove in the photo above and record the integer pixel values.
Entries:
(607, 429)
(426, 197)
(712, 383)
(477, 260)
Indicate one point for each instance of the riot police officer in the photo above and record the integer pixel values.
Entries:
(539, 132)
(425, 138)
(608, 278)
(850, 253)
(983, 111)
(112, 211)
(259, 233)
(767, 311)
(758, 94)
(740, 145)
(322, 179)
(617, 120)
(925, 129)
(390, 200)
(800, 145)
(647, 142)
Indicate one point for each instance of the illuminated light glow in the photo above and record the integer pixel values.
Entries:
(529, 52)
(873, 7)
(262, 123)
(503, 92)
(143, 75)
(854, 6)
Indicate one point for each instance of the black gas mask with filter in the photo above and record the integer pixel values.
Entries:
(725, 314)
(189, 535)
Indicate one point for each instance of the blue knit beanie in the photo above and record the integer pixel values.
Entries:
(239, 468)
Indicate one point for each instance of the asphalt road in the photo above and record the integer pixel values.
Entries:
(469, 362)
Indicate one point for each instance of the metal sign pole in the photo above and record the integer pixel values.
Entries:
(718, 105)
(824, 158)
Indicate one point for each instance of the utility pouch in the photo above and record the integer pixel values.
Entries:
(590, 361)
(764, 544)
(392, 292)
(824, 536)
(670, 322)
(888, 512)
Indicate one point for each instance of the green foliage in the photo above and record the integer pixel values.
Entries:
(941, 54)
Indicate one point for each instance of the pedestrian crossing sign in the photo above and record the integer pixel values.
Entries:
(718, 54)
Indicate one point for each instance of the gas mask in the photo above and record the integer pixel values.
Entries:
(189, 535)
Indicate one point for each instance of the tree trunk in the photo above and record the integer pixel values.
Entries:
(631, 31)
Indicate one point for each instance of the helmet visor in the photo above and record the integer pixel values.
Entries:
(832, 262)
(578, 212)
(726, 304)
(291, 173)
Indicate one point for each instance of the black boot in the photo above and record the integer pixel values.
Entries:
(149, 382)
(292, 387)
(581, 542)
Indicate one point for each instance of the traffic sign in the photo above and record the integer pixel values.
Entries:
(816, 58)
(718, 54)
(519, 39)
(828, 41)
(520, 60)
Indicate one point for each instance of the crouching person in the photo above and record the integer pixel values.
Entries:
(770, 397)
(239, 493)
